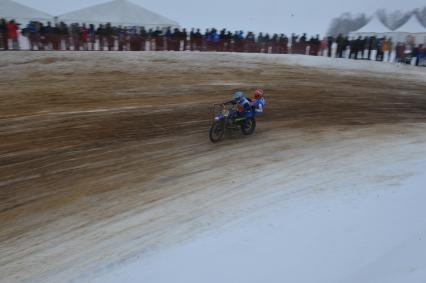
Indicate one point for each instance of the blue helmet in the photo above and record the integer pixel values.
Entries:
(238, 95)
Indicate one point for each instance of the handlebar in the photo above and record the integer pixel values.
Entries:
(219, 107)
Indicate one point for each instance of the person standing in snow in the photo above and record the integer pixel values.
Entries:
(48, 34)
(12, 34)
(64, 34)
(421, 56)
(386, 49)
(324, 47)
(3, 35)
(92, 37)
(330, 41)
(84, 37)
(340, 46)
(100, 33)
(109, 36)
(33, 33)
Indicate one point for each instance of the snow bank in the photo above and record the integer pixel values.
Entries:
(136, 61)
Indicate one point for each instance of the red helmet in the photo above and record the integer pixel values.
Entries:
(258, 94)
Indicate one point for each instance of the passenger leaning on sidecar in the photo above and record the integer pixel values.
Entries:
(258, 102)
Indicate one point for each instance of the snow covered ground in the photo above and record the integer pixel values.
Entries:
(355, 214)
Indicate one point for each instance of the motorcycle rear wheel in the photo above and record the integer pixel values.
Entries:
(249, 126)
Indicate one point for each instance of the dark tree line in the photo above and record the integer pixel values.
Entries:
(421, 14)
(346, 23)
(395, 19)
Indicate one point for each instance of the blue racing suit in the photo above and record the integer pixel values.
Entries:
(258, 106)
(244, 107)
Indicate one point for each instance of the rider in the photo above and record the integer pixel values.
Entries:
(243, 104)
(259, 102)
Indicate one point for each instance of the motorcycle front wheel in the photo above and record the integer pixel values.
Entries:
(217, 131)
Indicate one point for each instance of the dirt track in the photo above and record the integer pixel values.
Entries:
(98, 146)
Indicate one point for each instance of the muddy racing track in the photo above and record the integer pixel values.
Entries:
(106, 156)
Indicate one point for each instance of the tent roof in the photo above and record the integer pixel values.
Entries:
(118, 12)
(12, 10)
(374, 26)
(412, 26)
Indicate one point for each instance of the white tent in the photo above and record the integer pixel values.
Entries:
(412, 30)
(118, 12)
(412, 26)
(373, 27)
(11, 10)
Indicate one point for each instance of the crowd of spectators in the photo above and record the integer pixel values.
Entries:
(82, 37)
(375, 48)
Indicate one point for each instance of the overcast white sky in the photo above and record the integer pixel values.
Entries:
(311, 16)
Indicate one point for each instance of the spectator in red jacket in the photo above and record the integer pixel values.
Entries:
(12, 34)
(84, 37)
